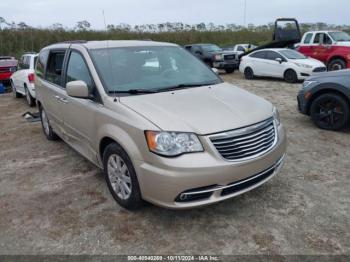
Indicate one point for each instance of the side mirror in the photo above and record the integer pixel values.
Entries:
(279, 60)
(78, 89)
(215, 71)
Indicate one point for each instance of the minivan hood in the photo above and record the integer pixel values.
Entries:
(202, 110)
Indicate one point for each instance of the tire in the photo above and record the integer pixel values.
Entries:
(45, 123)
(330, 112)
(336, 64)
(121, 177)
(29, 98)
(249, 74)
(290, 76)
(229, 71)
(16, 94)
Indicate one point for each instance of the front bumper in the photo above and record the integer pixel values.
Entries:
(302, 103)
(207, 173)
(226, 65)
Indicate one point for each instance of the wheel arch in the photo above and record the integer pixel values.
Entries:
(334, 57)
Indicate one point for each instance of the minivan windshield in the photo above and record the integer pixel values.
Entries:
(340, 36)
(150, 68)
(292, 54)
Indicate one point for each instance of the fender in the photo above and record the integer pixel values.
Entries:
(340, 52)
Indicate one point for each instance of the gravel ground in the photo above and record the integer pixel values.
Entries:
(52, 201)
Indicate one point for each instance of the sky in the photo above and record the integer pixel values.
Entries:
(44, 13)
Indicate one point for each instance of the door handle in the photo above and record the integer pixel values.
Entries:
(63, 100)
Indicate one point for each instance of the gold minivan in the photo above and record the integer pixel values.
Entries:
(162, 126)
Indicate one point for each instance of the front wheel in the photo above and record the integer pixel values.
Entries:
(229, 71)
(290, 76)
(249, 74)
(330, 112)
(121, 177)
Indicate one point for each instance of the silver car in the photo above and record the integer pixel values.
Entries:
(162, 126)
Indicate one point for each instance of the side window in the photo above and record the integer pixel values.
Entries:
(317, 39)
(307, 39)
(21, 63)
(196, 50)
(35, 59)
(260, 55)
(78, 70)
(54, 67)
(327, 40)
(273, 55)
(27, 62)
(240, 48)
(42, 60)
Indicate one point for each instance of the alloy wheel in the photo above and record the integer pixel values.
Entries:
(329, 112)
(119, 176)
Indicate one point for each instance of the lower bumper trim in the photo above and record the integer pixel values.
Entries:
(205, 193)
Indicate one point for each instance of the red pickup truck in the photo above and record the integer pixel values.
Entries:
(8, 65)
(330, 47)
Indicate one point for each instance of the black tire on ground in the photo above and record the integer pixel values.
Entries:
(330, 112)
(29, 98)
(248, 73)
(290, 76)
(15, 93)
(336, 64)
(134, 200)
(45, 123)
(229, 71)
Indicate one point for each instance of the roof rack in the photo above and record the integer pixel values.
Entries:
(75, 42)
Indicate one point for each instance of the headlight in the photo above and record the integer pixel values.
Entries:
(276, 116)
(308, 83)
(218, 57)
(303, 65)
(173, 143)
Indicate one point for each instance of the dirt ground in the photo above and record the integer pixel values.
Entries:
(52, 201)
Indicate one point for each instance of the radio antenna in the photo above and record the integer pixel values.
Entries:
(104, 19)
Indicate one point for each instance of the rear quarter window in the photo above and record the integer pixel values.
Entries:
(307, 39)
(41, 64)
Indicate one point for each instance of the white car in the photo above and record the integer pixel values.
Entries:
(287, 64)
(22, 81)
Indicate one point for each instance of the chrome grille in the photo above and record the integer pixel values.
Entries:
(229, 57)
(246, 143)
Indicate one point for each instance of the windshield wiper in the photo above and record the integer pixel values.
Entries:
(183, 86)
(132, 91)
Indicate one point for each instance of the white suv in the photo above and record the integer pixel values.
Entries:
(22, 81)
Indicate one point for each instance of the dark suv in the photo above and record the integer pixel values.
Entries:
(215, 57)
(326, 98)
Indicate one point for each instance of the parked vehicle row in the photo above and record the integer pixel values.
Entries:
(140, 111)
